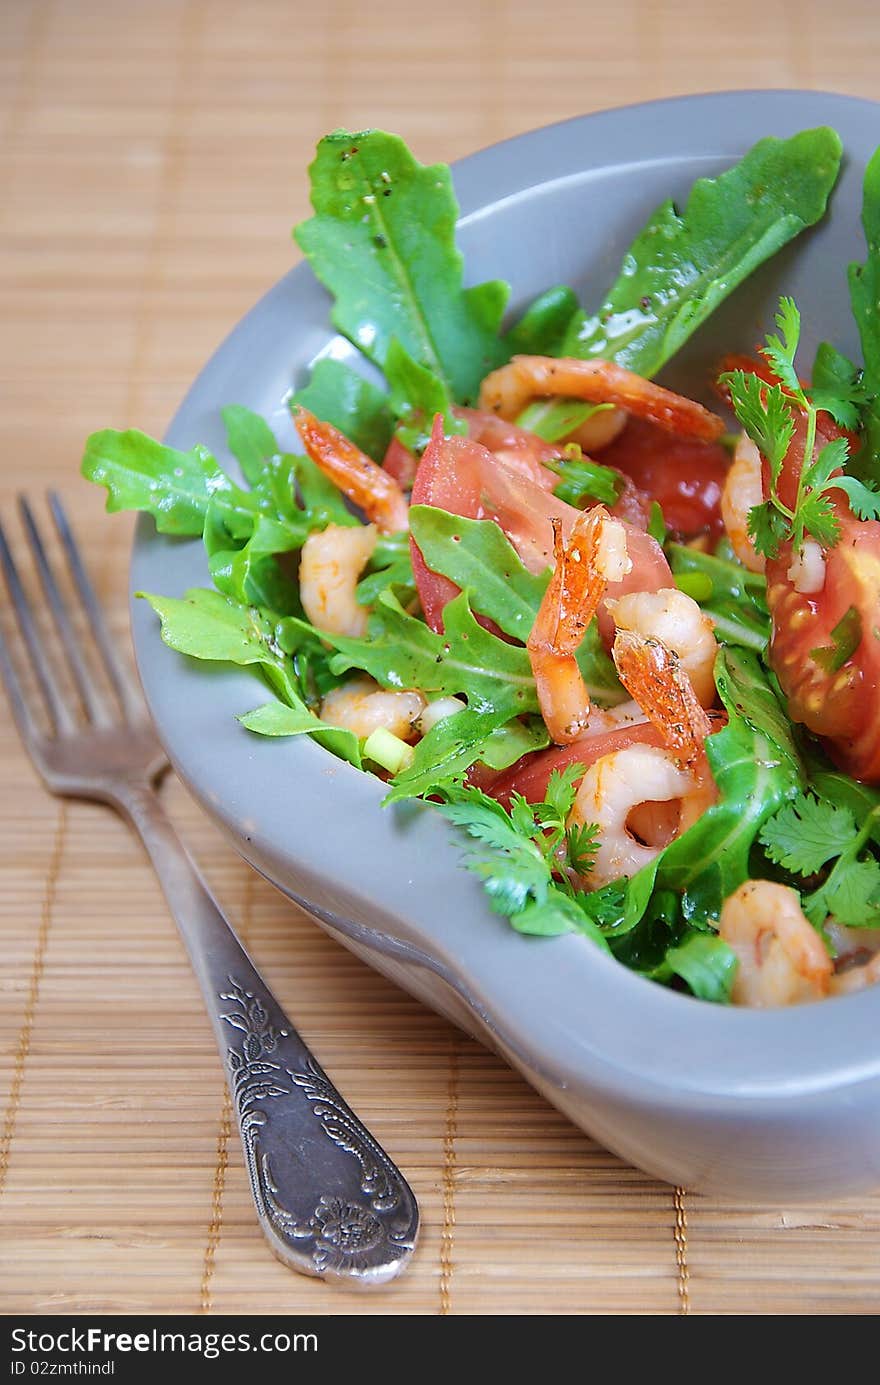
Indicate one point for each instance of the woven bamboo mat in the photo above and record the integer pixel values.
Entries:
(152, 164)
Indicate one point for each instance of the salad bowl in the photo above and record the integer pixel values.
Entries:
(760, 1105)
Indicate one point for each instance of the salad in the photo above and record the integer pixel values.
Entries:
(628, 644)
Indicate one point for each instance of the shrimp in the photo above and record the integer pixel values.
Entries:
(654, 675)
(507, 391)
(331, 563)
(676, 620)
(616, 792)
(782, 959)
(594, 555)
(377, 493)
(742, 490)
(363, 707)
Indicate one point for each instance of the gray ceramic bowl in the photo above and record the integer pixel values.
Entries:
(763, 1106)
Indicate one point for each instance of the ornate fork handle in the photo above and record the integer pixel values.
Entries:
(330, 1201)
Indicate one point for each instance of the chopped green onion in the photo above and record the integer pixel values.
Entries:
(657, 524)
(566, 415)
(699, 585)
(388, 750)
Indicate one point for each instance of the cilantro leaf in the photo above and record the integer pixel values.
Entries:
(581, 846)
(864, 499)
(851, 895)
(836, 386)
(814, 516)
(523, 877)
(765, 413)
(781, 350)
(807, 833)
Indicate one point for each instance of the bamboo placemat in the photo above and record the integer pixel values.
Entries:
(153, 161)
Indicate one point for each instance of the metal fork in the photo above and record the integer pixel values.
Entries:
(330, 1201)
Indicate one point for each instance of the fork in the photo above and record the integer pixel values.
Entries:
(328, 1198)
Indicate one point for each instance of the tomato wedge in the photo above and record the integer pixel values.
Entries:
(825, 646)
(836, 697)
(463, 477)
(683, 475)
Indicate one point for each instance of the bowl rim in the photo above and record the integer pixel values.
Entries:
(560, 1016)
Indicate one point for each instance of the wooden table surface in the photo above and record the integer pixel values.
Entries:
(153, 159)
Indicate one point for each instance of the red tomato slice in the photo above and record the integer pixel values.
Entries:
(685, 477)
(400, 463)
(520, 449)
(531, 775)
(463, 477)
(840, 705)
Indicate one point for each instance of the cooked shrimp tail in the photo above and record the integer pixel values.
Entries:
(782, 959)
(674, 618)
(594, 555)
(508, 390)
(377, 493)
(653, 675)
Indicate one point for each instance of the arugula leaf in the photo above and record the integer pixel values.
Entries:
(707, 964)
(208, 625)
(541, 329)
(277, 719)
(339, 395)
(504, 746)
(250, 440)
(382, 240)
(444, 756)
(477, 554)
(401, 652)
(757, 768)
(389, 568)
(417, 394)
(680, 267)
(864, 292)
(174, 487)
(582, 479)
(249, 574)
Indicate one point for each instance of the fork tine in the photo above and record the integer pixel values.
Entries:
(94, 703)
(28, 729)
(58, 709)
(125, 686)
